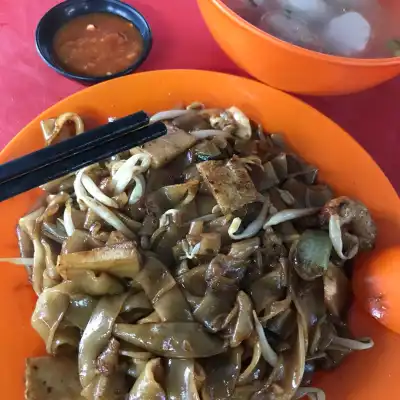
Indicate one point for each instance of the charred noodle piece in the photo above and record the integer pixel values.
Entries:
(337, 291)
(269, 288)
(26, 250)
(307, 300)
(256, 366)
(273, 244)
(230, 183)
(152, 318)
(49, 312)
(243, 324)
(219, 119)
(54, 232)
(147, 386)
(246, 392)
(53, 307)
(180, 383)
(66, 339)
(245, 248)
(116, 237)
(267, 388)
(122, 260)
(94, 284)
(172, 339)
(292, 365)
(138, 309)
(28, 222)
(163, 292)
(164, 239)
(107, 361)
(112, 387)
(96, 336)
(171, 197)
(193, 280)
(223, 276)
(318, 195)
(204, 244)
(165, 149)
(63, 184)
(181, 194)
(52, 378)
(135, 301)
(80, 240)
(129, 350)
(191, 121)
(39, 260)
(52, 128)
(222, 374)
(217, 304)
(135, 367)
(275, 308)
(51, 274)
(80, 310)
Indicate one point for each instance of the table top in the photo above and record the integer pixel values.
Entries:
(181, 40)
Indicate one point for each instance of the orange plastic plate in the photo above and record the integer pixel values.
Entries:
(369, 375)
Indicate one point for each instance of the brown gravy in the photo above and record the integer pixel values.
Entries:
(97, 44)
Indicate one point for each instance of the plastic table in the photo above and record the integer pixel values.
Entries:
(181, 40)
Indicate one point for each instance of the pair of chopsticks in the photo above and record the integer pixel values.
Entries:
(58, 160)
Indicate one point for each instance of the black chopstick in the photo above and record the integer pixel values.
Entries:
(55, 161)
(74, 145)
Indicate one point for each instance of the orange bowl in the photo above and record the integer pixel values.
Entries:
(289, 67)
(368, 375)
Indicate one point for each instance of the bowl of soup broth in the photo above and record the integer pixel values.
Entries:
(316, 47)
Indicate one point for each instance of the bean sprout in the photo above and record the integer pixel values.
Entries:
(254, 227)
(138, 190)
(108, 216)
(289, 215)
(96, 193)
(68, 221)
(129, 169)
(170, 114)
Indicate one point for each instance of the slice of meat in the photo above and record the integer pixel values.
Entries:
(230, 184)
(166, 148)
(52, 378)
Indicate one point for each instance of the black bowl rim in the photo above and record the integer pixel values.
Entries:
(148, 43)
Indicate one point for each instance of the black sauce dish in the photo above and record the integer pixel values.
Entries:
(70, 9)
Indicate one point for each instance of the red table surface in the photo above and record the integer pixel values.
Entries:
(181, 40)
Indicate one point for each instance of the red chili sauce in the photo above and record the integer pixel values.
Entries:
(97, 44)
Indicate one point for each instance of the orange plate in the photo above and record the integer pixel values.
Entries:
(343, 164)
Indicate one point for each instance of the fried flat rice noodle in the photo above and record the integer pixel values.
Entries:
(210, 264)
